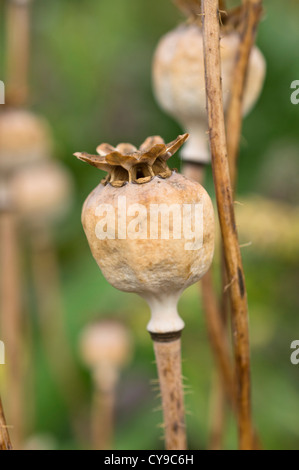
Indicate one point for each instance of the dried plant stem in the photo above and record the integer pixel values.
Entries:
(5, 443)
(218, 337)
(216, 326)
(251, 14)
(11, 323)
(218, 404)
(224, 381)
(252, 11)
(226, 214)
(51, 316)
(18, 27)
(223, 384)
(102, 419)
(168, 359)
(222, 5)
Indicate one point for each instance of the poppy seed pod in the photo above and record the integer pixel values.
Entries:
(105, 341)
(105, 347)
(179, 81)
(150, 229)
(41, 192)
(24, 138)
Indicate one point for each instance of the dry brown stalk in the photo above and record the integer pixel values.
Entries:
(238, 296)
(223, 387)
(102, 419)
(168, 358)
(5, 443)
(51, 315)
(217, 419)
(11, 321)
(252, 11)
(18, 26)
(218, 336)
(221, 349)
(222, 5)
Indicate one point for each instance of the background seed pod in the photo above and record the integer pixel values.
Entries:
(41, 192)
(24, 138)
(179, 82)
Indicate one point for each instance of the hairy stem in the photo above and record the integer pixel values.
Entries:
(237, 289)
(168, 358)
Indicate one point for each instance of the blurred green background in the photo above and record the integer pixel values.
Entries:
(91, 78)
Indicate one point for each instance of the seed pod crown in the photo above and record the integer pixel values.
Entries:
(125, 163)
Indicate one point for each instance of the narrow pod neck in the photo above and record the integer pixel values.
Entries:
(196, 148)
(165, 318)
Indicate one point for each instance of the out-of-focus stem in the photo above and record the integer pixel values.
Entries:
(51, 315)
(5, 443)
(102, 419)
(252, 11)
(218, 403)
(17, 51)
(11, 323)
(218, 337)
(222, 5)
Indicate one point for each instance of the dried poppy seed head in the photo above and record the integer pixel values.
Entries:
(106, 341)
(41, 192)
(24, 138)
(161, 251)
(106, 347)
(179, 82)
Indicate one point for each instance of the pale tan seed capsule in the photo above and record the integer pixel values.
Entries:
(24, 138)
(106, 342)
(106, 347)
(41, 192)
(179, 82)
(133, 254)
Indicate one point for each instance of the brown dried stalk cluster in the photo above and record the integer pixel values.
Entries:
(125, 163)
